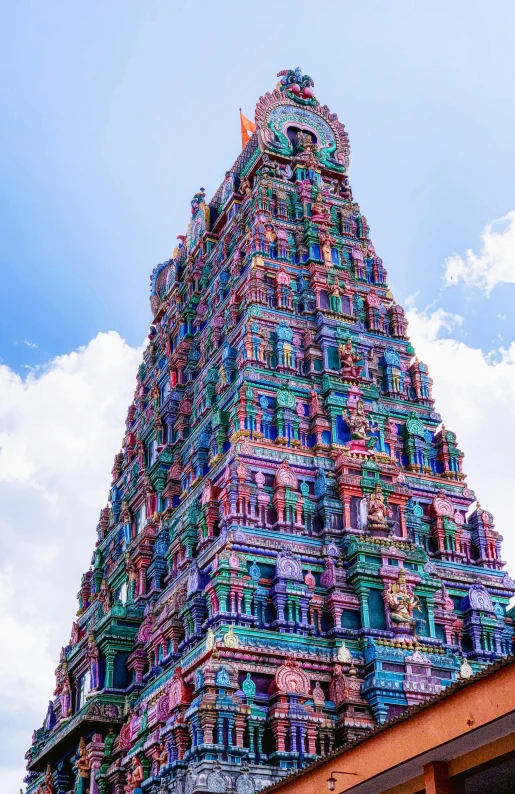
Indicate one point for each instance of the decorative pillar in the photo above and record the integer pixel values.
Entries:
(95, 753)
(363, 606)
(109, 669)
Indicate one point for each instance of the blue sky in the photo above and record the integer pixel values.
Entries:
(117, 112)
(113, 115)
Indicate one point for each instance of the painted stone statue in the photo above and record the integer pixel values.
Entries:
(135, 777)
(82, 766)
(377, 509)
(362, 440)
(351, 369)
(401, 601)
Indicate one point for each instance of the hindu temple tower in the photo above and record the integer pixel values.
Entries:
(287, 557)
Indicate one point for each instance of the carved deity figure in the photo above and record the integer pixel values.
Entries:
(303, 141)
(299, 243)
(401, 600)
(326, 242)
(283, 244)
(105, 597)
(160, 756)
(349, 361)
(319, 211)
(135, 776)
(377, 509)
(335, 299)
(48, 785)
(126, 519)
(344, 656)
(245, 186)
(270, 235)
(132, 575)
(154, 397)
(466, 670)
(357, 422)
(82, 762)
(231, 639)
(314, 405)
(94, 662)
(65, 692)
(344, 688)
(327, 253)
(305, 148)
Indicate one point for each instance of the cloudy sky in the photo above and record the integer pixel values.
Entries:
(114, 114)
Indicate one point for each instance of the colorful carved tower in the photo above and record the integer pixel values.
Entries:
(287, 557)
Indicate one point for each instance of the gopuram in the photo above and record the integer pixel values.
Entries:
(290, 554)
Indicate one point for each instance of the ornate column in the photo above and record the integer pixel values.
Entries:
(95, 753)
(363, 605)
(109, 668)
(431, 617)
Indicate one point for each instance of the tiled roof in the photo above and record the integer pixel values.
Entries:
(410, 712)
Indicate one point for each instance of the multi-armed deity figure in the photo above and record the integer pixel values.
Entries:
(351, 368)
(82, 765)
(401, 600)
(377, 509)
(361, 428)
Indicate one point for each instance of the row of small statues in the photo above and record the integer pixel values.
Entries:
(135, 776)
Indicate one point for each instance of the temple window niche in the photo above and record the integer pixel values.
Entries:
(139, 519)
(152, 452)
(122, 592)
(83, 687)
(296, 135)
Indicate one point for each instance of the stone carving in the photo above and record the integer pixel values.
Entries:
(401, 600)
(288, 566)
(377, 509)
(291, 678)
(344, 655)
(351, 370)
(216, 780)
(480, 598)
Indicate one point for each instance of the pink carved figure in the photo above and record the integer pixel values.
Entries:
(319, 212)
(48, 785)
(135, 776)
(313, 403)
(349, 361)
(65, 694)
(82, 764)
(160, 756)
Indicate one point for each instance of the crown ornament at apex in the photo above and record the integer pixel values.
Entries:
(287, 557)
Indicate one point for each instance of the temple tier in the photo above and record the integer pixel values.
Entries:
(288, 556)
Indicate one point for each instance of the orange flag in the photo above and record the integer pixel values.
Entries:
(247, 128)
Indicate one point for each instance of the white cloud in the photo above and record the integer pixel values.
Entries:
(495, 263)
(410, 300)
(27, 343)
(60, 428)
(475, 394)
(432, 323)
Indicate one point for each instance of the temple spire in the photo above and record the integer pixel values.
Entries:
(288, 558)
